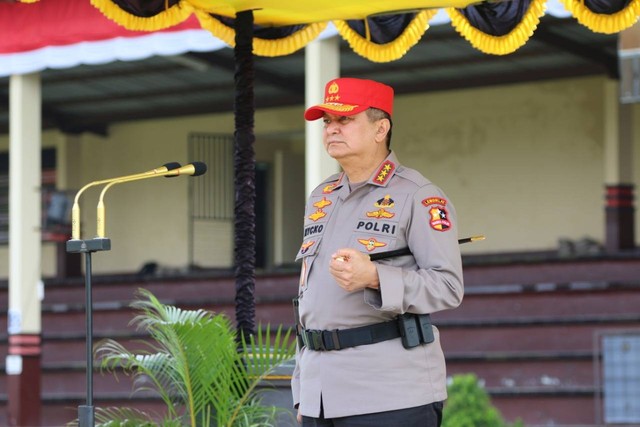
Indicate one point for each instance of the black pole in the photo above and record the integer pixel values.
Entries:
(244, 162)
(86, 413)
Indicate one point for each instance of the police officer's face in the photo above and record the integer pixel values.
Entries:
(350, 135)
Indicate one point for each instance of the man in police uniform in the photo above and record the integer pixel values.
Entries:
(368, 355)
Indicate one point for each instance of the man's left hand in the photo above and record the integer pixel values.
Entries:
(353, 270)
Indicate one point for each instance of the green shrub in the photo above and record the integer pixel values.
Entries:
(469, 405)
(193, 363)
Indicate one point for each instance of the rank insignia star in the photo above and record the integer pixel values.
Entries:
(371, 243)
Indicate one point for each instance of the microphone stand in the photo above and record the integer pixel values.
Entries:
(86, 413)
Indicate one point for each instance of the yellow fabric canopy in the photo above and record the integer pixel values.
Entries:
(294, 12)
(312, 18)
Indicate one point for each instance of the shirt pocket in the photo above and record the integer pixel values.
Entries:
(307, 253)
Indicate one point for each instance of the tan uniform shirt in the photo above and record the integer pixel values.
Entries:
(396, 208)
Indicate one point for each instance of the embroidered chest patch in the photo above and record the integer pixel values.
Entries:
(320, 212)
(328, 189)
(380, 213)
(305, 246)
(371, 243)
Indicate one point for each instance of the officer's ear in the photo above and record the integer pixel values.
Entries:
(383, 128)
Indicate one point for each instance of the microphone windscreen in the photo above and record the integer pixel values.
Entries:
(171, 166)
(199, 168)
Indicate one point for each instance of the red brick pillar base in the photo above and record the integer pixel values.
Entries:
(23, 380)
(620, 229)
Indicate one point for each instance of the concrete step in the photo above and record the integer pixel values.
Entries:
(531, 343)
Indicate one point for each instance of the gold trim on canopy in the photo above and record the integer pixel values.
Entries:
(499, 45)
(602, 22)
(294, 12)
(165, 19)
(263, 47)
(389, 51)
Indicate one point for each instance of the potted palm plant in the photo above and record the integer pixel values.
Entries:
(202, 373)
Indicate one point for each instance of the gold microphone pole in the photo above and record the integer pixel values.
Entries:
(192, 169)
(75, 209)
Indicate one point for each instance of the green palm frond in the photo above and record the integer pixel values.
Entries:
(123, 417)
(195, 366)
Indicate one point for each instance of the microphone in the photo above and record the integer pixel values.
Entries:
(75, 210)
(192, 169)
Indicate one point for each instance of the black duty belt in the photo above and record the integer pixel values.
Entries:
(343, 338)
(414, 329)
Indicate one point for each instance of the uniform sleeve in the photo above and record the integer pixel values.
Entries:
(435, 281)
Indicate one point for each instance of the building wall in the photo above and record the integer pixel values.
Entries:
(148, 220)
(523, 164)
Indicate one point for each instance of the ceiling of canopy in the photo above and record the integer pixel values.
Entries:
(91, 97)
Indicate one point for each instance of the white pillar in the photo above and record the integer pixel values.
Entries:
(25, 287)
(25, 179)
(322, 63)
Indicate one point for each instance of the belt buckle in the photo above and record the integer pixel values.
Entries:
(330, 340)
(305, 338)
(321, 340)
(312, 339)
(316, 340)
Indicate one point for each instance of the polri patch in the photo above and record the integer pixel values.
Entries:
(438, 215)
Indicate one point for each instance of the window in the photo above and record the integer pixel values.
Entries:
(212, 203)
(211, 222)
(621, 378)
(54, 204)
